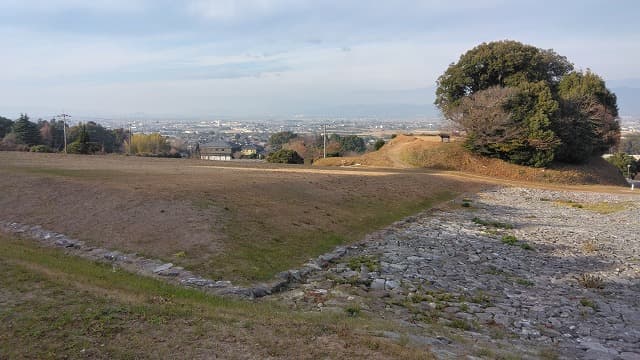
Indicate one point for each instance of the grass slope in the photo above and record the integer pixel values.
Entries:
(56, 306)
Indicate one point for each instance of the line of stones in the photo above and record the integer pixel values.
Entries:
(168, 271)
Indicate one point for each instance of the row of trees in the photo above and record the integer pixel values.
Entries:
(311, 147)
(84, 138)
(528, 105)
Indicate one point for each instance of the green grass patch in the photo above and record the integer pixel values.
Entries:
(524, 282)
(267, 250)
(509, 239)
(371, 262)
(603, 207)
(588, 303)
(461, 324)
(526, 246)
(494, 224)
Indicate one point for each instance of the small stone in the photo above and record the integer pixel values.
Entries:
(377, 284)
(391, 284)
(629, 356)
(160, 268)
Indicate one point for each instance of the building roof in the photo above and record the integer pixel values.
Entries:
(216, 144)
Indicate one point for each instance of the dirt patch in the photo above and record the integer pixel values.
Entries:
(152, 225)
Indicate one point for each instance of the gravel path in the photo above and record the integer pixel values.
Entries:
(538, 273)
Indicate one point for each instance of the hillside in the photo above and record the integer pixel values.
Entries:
(428, 152)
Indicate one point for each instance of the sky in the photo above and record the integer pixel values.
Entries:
(208, 58)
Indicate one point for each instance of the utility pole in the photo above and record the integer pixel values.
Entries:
(130, 140)
(64, 128)
(324, 138)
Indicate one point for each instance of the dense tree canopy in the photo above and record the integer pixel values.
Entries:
(5, 126)
(277, 140)
(82, 143)
(107, 140)
(352, 143)
(527, 105)
(285, 156)
(26, 131)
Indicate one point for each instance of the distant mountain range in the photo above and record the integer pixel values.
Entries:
(409, 104)
(628, 100)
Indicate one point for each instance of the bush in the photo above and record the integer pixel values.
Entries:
(379, 144)
(627, 164)
(41, 149)
(83, 148)
(284, 156)
(509, 239)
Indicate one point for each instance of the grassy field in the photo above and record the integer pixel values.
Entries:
(238, 221)
(56, 306)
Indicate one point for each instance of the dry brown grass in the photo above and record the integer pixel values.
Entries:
(591, 246)
(239, 221)
(428, 152)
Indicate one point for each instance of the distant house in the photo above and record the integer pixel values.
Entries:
(248, 150)
(216, 150)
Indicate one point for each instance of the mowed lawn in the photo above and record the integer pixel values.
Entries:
(238, 221)
(54, 306)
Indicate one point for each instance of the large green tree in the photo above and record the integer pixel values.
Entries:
(285, 156)
(83, 144)
(5, 126)
(546, 111)
(277, 140)
(26, 131)
(352, 143)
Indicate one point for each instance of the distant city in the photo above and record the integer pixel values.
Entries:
(258, 131)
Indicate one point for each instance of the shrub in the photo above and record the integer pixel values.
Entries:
(588, 303)
(591, 281)
(284, 156)
(371, 262)
(509, 239)
(378, 144)
(526, 246)
(41, 149)
(353, 310)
